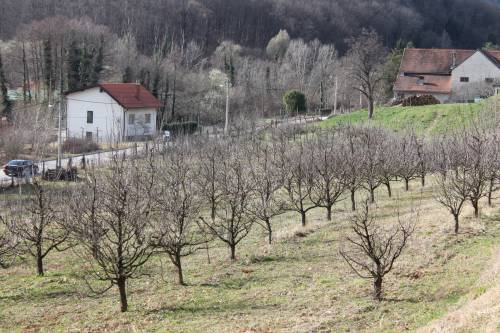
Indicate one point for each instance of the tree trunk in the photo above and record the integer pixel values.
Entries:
(269, 231)
(372, 195)
(353, 200)
(407, 185)
(233, 251)
(370, 108)
(329, 213)
(475, 205)
(123, 294)
(490, 192)
(39, 261)
(389, 190)
(456, 223)
(303, 216)
(377, 289)
(422, 178)
(178, 265)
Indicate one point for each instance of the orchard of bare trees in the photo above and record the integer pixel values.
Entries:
(176, 200)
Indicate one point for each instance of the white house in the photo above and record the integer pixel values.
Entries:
(448, 74)
(111, 112)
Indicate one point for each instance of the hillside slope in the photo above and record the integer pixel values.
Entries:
(431, 119)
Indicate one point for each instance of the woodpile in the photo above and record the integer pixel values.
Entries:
(420, 100)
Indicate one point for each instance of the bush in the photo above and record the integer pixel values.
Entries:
(185, 128)
(295, 101)
(79, 146)
(420, 100)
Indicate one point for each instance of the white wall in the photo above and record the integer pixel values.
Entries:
(140, 128)
(477, 68)
(108, 122)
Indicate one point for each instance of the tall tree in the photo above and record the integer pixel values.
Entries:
(365, 59)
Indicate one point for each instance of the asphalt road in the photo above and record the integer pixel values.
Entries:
(95, 158)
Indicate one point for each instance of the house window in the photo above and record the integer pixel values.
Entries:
(147, 118)
(90, 117)
(131, 119)
(88, 136)
(464, 79)
(489, 80)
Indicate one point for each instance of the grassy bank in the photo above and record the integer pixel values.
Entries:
(299, 284)
(431, 119)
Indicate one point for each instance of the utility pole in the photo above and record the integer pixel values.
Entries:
(59, 116)
(226, 124)
(336, 95)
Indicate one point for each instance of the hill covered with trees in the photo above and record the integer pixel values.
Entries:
(427, 23)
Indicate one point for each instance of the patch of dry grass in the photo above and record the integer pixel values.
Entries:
(299, 284)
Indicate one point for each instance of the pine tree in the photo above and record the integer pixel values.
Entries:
(74, 58)
(128, 76)
(49, 65)
(230, 70)
(86, 67)
(4, 97)
(98, 64)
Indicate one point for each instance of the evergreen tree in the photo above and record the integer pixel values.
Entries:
(49, 65)
(6, 104)
(230, 70)
(128, 75)
(98, 64)
(74, 58)
(86, 68)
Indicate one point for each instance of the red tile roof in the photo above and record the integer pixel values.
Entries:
(425, 84)
(429, 70)
(435, 61)
(131, 95)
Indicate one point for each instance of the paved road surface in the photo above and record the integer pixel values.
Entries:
(97, 158)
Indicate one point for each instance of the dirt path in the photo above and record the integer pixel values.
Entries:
(481, 314)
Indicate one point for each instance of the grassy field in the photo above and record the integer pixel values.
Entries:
(431, 119)
(299, 284)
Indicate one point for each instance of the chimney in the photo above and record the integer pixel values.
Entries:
(453, 59)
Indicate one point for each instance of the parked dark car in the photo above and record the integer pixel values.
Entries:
(20, 168)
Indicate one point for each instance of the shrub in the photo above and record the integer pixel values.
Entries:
(184, 128)
(295, 101)
(420, 100)
(79, 146)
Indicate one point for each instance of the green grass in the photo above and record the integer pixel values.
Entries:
(299, 284)
(431, 119)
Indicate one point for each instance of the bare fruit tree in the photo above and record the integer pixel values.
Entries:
(264, 173)
(8, 245)
(116, 230)
(371, 248)
(299, 178)
(232, 221)
(332, 173)
(177, 205)
(452, 193)
(36, 222)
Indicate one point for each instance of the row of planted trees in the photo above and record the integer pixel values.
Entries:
(176, 200)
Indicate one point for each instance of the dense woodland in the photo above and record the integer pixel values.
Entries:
(428, 23)
(186, 52)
